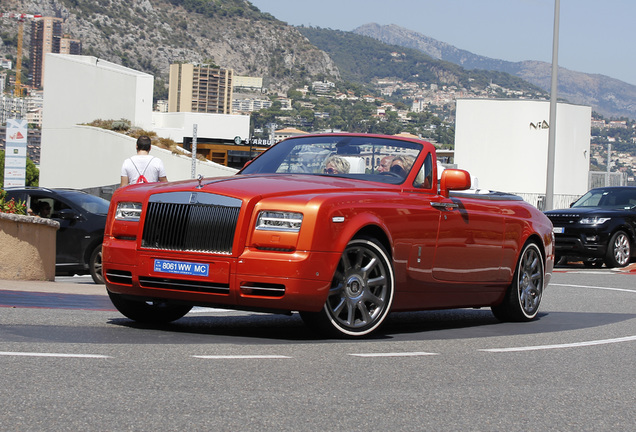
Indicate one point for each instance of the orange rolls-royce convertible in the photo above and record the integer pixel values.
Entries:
(342, 228)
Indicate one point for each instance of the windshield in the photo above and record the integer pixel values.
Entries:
(370, 158)
(619, 198)
(90, 203)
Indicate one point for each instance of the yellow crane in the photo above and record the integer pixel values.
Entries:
(18, 63)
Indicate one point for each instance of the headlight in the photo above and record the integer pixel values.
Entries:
(130, 211)
(279, 221)
(593, 220)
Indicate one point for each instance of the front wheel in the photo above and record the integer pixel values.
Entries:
(95, 265)
(361, 291)
(522, 299)
(151, 312)
(618, 250)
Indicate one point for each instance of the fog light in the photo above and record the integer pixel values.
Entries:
(591, 238)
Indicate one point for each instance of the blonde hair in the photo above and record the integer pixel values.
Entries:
(340, 164)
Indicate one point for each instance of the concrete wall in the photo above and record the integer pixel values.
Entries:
(504, 145)
(93, 158)
(81, 89)
(179, 125)
(28, 247)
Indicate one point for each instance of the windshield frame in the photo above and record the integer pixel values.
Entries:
(309, 155)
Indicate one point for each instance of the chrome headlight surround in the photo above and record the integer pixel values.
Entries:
(128, 211)
(271, 220)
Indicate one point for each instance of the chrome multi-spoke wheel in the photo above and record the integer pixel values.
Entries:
(522, 300)
(361, 292)
(618, 250)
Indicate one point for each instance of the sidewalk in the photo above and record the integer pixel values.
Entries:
(85, 288)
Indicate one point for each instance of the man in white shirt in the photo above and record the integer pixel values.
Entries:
(142, 168)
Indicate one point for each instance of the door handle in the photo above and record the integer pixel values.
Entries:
(445, 206)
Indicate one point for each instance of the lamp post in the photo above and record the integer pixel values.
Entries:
(549, 194)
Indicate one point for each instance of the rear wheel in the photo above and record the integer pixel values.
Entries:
(618, 250)
(152, 312)
(361, 291)
(521, 302)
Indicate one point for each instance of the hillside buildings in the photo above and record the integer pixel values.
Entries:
(200, 89)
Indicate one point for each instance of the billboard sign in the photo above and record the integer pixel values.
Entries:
(15, 153)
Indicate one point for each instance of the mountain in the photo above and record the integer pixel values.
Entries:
(607, 96)
(149, 35)
(362, 59)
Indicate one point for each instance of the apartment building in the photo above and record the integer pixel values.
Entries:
(47, 37)
(200, 88)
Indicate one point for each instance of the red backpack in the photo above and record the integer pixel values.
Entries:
(142, 178)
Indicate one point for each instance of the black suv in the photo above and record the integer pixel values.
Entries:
(600, 227)
(82, 219)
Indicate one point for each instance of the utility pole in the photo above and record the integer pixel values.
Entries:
(549, 193)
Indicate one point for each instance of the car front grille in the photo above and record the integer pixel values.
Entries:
(562, 220)
(196, 222)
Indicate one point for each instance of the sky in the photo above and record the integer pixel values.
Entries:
(596, 37)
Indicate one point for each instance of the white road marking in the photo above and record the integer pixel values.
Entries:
(241, 357)
(401, 354)
(573, 344)
(31, 354)
(561, 346)
(595, 287)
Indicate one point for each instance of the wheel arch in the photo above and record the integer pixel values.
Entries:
(377, 233)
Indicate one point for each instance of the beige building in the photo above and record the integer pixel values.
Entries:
(47, 37)
(200, 88)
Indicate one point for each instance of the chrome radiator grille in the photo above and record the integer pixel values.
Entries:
(195, 226)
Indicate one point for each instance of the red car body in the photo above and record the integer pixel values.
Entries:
(419, 244)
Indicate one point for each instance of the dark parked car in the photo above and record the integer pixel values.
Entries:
(82, 218)
(600, 227)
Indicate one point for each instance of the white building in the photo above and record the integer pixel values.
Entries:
(504, 145)
(81, 89)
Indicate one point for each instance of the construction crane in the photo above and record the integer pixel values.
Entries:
(18, 64)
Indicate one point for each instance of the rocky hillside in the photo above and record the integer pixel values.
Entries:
(148, 35)
(607, 96)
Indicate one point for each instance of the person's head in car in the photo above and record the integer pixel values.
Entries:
(336, 165)
(44, 209)
(401, 165)
(385, 164)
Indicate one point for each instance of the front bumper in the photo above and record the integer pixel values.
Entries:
(584, 244)
(256, 280)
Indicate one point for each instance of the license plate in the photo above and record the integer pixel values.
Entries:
(182, 267)
(558, 230)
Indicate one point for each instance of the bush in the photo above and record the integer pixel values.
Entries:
(11, 206)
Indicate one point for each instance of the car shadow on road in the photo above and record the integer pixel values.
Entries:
(430, 325)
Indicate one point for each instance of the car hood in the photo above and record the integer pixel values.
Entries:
(248, 186)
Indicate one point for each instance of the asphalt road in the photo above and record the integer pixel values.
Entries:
(70, 362)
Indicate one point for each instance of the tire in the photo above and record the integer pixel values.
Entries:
(523, 297)
(361, 292)
(593, 263)
(157, 312)
(618, 250)
(95, 265)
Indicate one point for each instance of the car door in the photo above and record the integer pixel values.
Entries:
(70, 236)
(469, 241)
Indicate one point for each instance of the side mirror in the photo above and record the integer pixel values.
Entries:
(454, 179)
(67, 214)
